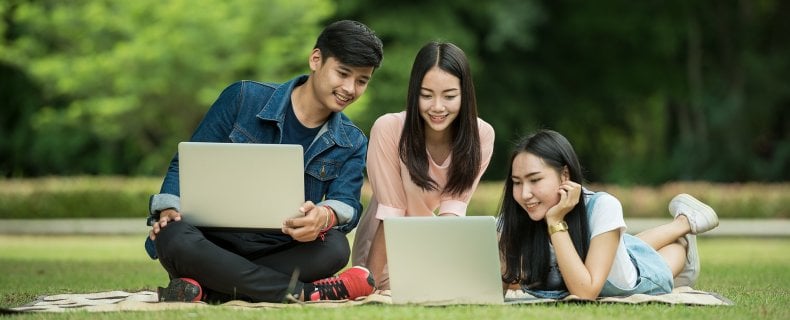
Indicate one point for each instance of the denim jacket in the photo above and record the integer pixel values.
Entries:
(253, 112)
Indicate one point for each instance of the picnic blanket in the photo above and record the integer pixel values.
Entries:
(147, 301)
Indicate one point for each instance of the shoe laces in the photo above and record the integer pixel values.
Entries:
(332, 288)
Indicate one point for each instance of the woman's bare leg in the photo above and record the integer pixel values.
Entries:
(377, 259)
(666, 234)
(675, 256)
(665, 240)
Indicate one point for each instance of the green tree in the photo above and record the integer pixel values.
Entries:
(648, 92)
(124, 81)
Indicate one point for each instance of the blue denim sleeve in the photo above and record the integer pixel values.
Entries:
(343, 194)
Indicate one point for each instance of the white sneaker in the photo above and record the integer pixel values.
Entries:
(688, 276)
(701, 217)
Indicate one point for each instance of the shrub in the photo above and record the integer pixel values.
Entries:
(127, 197)
(76, 197)
(747, 200)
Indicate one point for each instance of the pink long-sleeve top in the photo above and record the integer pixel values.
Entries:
(392, 186)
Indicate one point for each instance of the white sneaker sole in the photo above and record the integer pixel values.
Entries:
(706, 218)
(691, 269)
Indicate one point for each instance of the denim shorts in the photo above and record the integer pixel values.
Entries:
(654, 275)
(654, 278)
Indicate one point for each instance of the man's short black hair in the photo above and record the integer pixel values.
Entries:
(351, 42)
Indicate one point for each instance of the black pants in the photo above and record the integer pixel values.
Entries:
(248, 266)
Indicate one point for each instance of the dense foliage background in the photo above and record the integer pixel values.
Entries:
(648, 91)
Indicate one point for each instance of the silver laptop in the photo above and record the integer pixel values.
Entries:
(443, 260)
(240, 185)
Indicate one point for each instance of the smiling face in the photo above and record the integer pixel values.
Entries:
(337, 85)
(535, 184)
(440, 100)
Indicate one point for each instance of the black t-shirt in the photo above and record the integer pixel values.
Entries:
(296, 133)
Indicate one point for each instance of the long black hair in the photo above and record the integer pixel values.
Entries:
(466, 156)
(524, 243)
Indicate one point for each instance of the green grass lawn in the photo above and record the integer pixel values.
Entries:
(753, 273)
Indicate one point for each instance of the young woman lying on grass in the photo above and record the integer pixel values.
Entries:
(557, 237)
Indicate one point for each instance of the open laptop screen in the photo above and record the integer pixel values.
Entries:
(443, 260)
(240, 185)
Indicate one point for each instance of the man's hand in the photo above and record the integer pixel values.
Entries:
(164, 217)
(308, 227)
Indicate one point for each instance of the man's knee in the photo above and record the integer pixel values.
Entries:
(175, 237)
(337, 250)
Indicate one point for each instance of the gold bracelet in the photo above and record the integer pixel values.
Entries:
(326, 222)
(559, 227)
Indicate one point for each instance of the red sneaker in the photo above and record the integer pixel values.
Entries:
(350, 284)
(181, 290)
